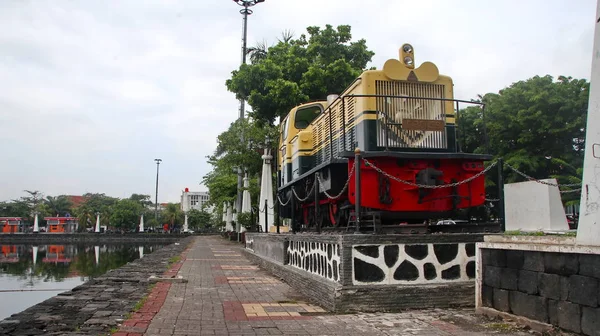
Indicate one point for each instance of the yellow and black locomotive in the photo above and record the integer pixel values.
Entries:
(403, 120)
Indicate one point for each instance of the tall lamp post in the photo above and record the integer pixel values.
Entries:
(156, 199)
(245, 11)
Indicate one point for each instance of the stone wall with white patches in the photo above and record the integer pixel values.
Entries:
(413, 263)
(322, 259)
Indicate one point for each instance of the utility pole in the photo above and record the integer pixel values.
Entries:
(245, 11)
(156, 199)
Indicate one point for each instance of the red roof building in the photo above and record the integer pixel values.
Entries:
(61, 224)
(11, 224)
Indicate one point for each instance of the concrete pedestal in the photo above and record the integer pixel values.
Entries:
(532, 206)
(350, 272)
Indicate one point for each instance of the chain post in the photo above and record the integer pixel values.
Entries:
(277, 210)
(266, 217)
(357, 188)
(292, 219)
(317, 222)
(501, 214)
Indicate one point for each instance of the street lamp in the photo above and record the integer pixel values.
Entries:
(245, 11)
(156, 199)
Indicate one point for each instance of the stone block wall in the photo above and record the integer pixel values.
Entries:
(558, 288)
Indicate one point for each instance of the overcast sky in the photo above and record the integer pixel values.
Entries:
(91, 92)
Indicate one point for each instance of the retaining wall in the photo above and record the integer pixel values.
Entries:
(368, 272)
(547, 280)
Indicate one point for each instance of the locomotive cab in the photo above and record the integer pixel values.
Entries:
(296, 141)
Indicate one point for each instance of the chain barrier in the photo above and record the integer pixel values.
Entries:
(538, 181)
(308, 194)
(427, 186)
(282, 203)
(343, 189)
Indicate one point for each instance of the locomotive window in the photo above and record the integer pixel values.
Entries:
(306, 115)
(284, 129)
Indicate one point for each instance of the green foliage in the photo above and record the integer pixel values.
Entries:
(245, 220)
(144, 200)
(60, 205)
(294, 71)
(172, 214)
(536, 125)
(198, 219)
(231, 153)
(125, 214)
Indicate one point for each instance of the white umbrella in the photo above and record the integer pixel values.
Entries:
(266, 193)
(246, 205)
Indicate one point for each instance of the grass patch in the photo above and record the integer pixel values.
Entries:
(523, 233)
(539, 233)
(173, 260)
(501, 327)
(288, 301)
(140, 303)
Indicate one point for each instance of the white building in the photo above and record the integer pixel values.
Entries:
(193, 200)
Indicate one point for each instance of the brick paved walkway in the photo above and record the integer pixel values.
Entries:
(227, 295)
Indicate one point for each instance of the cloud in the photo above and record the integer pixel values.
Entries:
(92, 91)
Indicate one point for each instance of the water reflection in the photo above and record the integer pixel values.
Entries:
(31, 274)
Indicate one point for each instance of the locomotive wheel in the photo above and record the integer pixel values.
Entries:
(337, 216)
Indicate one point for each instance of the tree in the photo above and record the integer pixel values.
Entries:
(198, 219)
(295, 71)
(125, 214)
(100, 203)
(231, 153)
(60, 205)
(172, 213)
(536, 125)
(144, 200)
(85, 216)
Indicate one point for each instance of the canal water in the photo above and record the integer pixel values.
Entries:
(31, 274)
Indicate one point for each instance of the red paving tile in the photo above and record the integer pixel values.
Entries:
(139, 321)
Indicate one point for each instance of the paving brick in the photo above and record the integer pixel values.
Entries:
(225, 297)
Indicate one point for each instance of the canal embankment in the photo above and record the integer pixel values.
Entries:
(99, 305)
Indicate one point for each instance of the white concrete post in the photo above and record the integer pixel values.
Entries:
(36, 227)
(97, 223)
(35, 252)
(185, 223)
(142, 223)
(588, 230)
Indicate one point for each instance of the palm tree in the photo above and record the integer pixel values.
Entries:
(171, 213)
(85, 216)
(286, 36)
(257, 53)
(59, 204)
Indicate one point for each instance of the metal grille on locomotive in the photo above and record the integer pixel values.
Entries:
(404, 115)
